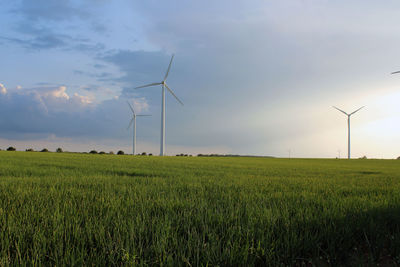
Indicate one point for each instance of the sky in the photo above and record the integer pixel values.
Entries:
(257, 77)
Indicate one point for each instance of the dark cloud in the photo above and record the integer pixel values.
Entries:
(49, 10)
(138, 66)
(99, 66)
(49, 24)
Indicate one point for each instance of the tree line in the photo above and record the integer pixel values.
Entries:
(60, 150)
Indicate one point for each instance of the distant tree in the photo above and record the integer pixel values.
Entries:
(11, 148)
(120, 152)
(29, 150)
(93, 152)
(111, 152)
(363, 157)
(199, 155)
(398, 157)
(102, 152)
(59, 150)
(44, 150)
(144, 154)
(150, 154)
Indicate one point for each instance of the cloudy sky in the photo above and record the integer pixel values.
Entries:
(257, 77)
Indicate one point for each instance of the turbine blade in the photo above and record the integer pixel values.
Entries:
(147, 85)
(356, 110)
(395, 72)
(173, 94)
(169, 67)
(130, 107)
(130, 124)
(340, 110)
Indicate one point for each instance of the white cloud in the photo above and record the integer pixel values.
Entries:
(83, 100)
(43, 111)
(3, 90)
(57, 92)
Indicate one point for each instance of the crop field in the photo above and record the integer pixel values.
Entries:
(83, 209)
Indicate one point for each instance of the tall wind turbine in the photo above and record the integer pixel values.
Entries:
(163, 85)
(133, 121)
(348, 128)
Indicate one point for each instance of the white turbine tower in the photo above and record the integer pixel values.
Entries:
(133, 121)
(348, 128)
(163, 85)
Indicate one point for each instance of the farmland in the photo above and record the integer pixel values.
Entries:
(81, 209)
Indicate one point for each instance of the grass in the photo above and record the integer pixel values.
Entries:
(80, 209)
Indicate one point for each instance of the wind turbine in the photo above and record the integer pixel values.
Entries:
(348, 128)
(163, 85)
(133, 120)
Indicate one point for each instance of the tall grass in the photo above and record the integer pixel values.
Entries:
(76, 209)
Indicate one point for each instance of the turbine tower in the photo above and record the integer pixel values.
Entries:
(163, 86)
(348, 128)
(133, 121)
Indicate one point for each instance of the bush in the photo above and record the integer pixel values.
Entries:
(120, 152)
(398, 157)
(363, 157)
(44, 150)
(11, 148)
(150, 154)
(29, 150)
(111, 152)
(59, 150)
(102, 152)
(144, 154)
(93, 152)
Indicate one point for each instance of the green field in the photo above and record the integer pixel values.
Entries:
(82, 209)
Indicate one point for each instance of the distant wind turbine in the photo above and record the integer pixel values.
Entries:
(133, 121)
(163, 85)
(348, 128)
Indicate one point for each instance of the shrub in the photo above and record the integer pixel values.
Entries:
(120, 152)
(44, 150)
(29, 150)
(363, 157)
(150, 154)
(11, 148)
(398, 157)
(93, 152)
(59, 150)
(111, 152)
(144, 154)
(102, 152)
